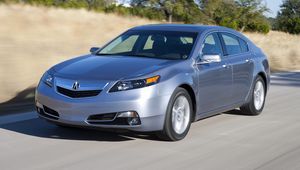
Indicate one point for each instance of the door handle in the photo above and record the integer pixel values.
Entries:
(248, 61)
(225, 66)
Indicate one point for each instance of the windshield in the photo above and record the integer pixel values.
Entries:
(154, 44)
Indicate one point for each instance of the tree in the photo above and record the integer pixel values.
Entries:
(288, 18)
(243, 15)
(191, 12)
(167, 6)
(96, 4)
(219, 12)
(251, 11)
(171, 8)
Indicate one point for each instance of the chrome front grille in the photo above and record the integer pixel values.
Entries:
(77, 94)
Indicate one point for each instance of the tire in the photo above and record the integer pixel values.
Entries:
(255, 107)
(177, 129)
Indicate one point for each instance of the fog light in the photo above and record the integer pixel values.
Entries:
(128, 114)
(133, 121)
(131, 117)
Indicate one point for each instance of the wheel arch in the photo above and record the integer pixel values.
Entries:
(255, 75)
(191, 92)
(264, 77)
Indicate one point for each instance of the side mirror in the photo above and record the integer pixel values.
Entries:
(94, 49)
(212, 58)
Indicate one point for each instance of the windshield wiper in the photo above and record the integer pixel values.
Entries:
(137, 55)
(105, 54)
(120, 54)
(130, 55)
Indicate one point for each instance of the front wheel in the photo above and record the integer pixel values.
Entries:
(257, 99)
(178, 116)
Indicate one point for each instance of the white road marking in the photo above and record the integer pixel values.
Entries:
(285, 78)
(285, 73)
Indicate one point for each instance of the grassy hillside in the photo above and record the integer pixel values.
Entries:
(283, 49)
(34, 38)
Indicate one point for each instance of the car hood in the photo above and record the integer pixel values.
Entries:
(108, 67)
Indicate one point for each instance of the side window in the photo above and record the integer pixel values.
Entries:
(212, 45)
(232, 44)
(244, 46)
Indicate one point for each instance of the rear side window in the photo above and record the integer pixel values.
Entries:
(244, 46)
(232, 44)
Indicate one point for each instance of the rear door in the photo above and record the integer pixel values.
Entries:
(240, 58)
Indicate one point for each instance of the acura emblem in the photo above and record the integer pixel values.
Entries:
(75, 85)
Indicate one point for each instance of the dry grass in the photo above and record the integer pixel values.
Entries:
(34, 38)
(282, 49)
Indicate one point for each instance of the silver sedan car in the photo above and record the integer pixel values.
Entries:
(157, 78)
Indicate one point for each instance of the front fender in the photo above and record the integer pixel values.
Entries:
(180, 74)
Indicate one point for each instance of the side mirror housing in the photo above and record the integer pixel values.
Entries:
(94, 49)
(209, 58)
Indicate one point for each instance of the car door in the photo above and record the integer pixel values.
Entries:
(240, 58)
(215, 79)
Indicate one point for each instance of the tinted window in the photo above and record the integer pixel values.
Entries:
(155, 44)
(212, 45)
(183, 40)
(121, 44)
(244, 46)
(232, 44)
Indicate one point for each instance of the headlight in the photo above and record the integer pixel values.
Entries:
(134, 84)
(47, 79)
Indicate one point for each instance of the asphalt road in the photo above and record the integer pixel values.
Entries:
(227, 141)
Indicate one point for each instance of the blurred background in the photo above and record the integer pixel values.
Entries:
(36, 34)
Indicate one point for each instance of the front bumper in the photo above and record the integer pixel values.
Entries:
(150, 103)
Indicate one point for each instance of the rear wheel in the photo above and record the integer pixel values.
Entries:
(178, 116)
(257, 99)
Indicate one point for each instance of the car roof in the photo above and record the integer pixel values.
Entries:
(189, 28)
(179, 27)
